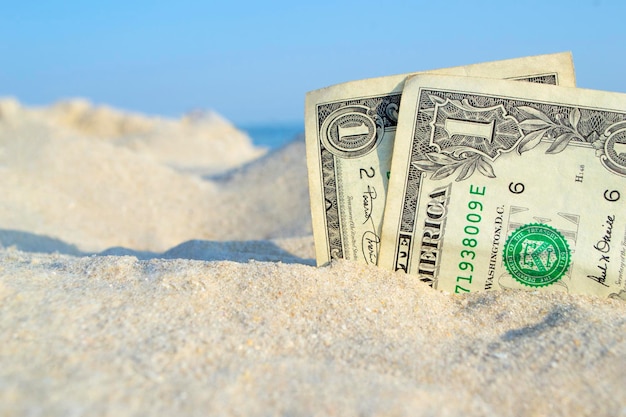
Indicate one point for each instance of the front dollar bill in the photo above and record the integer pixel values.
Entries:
(350, 130)
(499, 185)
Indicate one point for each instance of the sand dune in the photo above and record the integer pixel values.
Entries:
(165, 267)
(76, 181)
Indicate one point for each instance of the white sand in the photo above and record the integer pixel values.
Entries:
(203, 299)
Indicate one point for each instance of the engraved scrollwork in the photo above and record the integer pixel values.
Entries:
(451, 149)
(352, 131)
(538, 126)
(466, 138)
(611, 148)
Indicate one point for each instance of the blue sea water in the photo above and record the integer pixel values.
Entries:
(273, 135)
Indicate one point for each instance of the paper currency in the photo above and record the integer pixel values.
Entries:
(350, 130)
(500, 185)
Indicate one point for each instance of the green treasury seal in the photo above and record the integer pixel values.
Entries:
(537, 255)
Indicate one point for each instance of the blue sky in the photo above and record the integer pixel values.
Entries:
(253, 61)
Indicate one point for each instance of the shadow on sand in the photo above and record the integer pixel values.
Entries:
(202, 250)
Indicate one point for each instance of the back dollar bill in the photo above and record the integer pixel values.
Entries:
(350, 131)
(500, 185)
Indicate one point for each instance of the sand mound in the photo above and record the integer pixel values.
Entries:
(202, 141)
(268, 198)
(71, 185)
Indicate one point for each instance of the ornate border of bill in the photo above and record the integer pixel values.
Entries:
(491, 176)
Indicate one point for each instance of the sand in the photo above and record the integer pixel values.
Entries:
(165, 267)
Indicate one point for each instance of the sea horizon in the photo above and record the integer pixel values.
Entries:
(272, 135)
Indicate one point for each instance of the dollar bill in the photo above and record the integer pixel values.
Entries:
(498, 185)
(350, 130)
